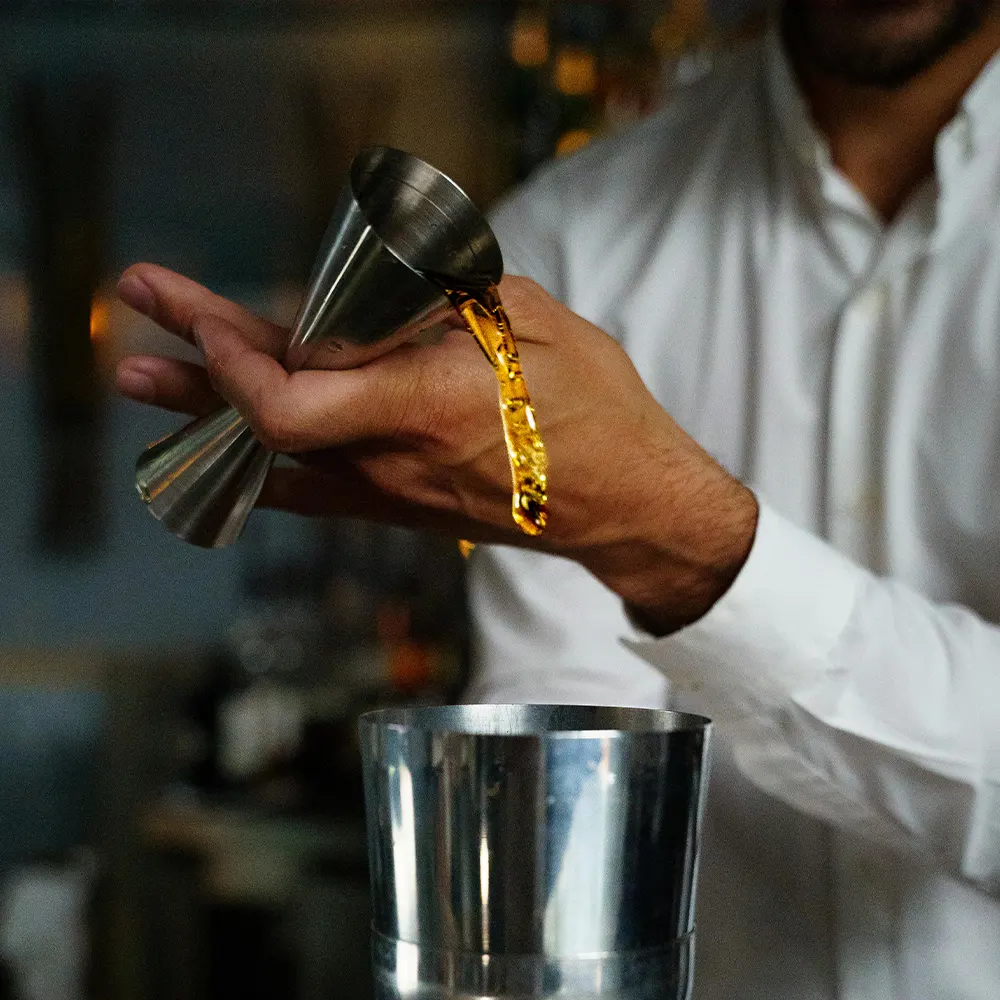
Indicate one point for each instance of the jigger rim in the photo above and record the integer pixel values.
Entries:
(489, 257)
(534, 721)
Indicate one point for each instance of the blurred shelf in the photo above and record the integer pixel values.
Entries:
(272, 11)
(209, 828)
(54, 669)
(248, 855)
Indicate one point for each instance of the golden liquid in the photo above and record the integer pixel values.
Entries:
(487, 321)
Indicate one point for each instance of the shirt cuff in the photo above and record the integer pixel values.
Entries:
(774, 632)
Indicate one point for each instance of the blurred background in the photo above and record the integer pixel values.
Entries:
(180, 802)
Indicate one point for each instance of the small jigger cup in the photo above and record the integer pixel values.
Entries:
(402, 233)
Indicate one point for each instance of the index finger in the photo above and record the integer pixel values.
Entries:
(174, 302)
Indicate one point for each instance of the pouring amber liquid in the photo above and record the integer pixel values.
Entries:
(487, 321)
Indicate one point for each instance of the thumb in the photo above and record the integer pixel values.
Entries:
(253, 382)
(302, 411)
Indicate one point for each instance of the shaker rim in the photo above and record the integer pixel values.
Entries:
(535, 721)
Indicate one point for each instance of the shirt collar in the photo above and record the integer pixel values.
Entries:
(788, 104)
(973, 130)
(981, 103)
(803, 139)
(975, 127)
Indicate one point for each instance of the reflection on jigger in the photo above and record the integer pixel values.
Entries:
(401, 233)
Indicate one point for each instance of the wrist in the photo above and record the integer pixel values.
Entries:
(685, 555)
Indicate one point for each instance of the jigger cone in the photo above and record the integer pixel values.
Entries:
(401, 233)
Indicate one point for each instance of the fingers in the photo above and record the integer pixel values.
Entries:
(173, 301)
(291, 413)
(174, 385)
(300, 491)
(306, 410)
(287, 413)
(341, 490)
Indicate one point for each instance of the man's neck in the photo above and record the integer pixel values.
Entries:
(883, 140)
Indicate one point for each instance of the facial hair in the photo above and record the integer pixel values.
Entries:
(856, 41)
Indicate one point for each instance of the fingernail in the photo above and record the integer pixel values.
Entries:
(134, 292)
(135, 385)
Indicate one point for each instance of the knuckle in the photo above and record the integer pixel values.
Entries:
(422, 408)
(272, 435)
(399, 412)
(520, 288)
(427, 421)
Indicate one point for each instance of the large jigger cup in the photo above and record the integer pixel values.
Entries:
(401, 233)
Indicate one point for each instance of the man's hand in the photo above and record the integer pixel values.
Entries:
(415, 438)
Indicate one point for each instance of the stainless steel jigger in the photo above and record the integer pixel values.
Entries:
(401, 233)
(536, 851)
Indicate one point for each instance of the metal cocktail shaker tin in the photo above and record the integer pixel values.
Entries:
(533, 851)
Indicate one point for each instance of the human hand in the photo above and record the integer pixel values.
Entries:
(414, 438)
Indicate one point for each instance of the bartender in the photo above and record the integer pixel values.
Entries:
(763, 348)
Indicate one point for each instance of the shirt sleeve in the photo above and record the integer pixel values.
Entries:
(851, 697)
(527, 232)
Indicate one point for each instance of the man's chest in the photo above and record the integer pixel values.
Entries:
(861, 402)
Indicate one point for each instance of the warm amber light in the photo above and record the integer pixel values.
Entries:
(570, 142)
(683, 26)
(100, 319)
(529, 41)
(575, 71)
(15, 318)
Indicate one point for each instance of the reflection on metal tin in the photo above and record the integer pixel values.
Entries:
(533, 851)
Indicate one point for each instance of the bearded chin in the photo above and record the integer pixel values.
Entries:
(884, 63)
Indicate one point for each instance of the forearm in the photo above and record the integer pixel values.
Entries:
(853, 698)
(685, 532)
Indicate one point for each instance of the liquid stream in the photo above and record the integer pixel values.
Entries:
(487, 321)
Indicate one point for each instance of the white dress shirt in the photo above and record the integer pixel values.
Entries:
(849, 372)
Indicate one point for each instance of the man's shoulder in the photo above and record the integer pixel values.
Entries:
(684, 130)
(643, 168)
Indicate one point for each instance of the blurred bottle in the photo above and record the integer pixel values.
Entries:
(44, 942)
(577, 70)
(261, 719)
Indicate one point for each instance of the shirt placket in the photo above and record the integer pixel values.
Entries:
(864, 900)
(853, 493)
(865, 897)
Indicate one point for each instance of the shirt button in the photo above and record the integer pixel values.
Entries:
(871, 301)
